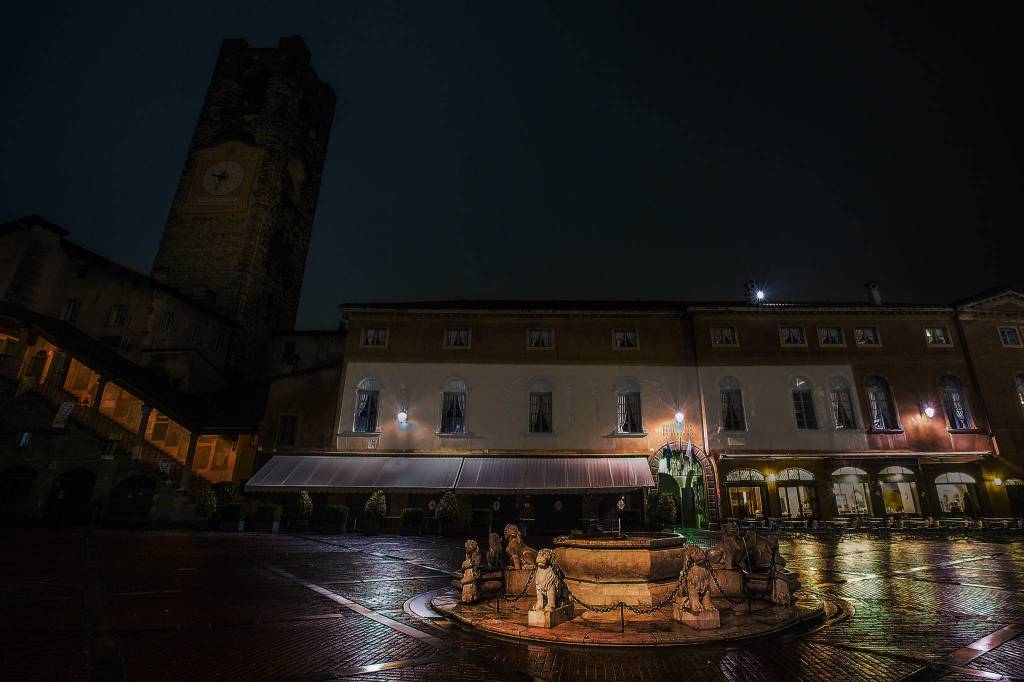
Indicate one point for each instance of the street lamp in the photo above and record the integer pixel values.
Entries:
(403, 417)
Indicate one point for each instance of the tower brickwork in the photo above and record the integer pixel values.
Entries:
(239, 227)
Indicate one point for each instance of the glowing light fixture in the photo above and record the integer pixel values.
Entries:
(759, 295)
(929, 411)
(997, 481)
(403, 417)
(679, 417)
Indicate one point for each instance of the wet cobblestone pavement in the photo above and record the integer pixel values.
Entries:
(169, 605)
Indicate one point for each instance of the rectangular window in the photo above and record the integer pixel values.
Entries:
(724, 336)
(625, 339)
(374, 337)
(803, 408)
(218, 340)
(867, 336)
(453, 413)
(831, 336)
(203, 452)
(167, 324)
(792, 336)
(70, 312)
(842, 409)
(733, 418)
(630, 419)
(287, 429)
(160, 426)
(457, 337)
(197, 334)
(540, 413)
(118, 315)
(1010, 337)
(937, 336)
(540, 339)
(288, 353)
(366, 418)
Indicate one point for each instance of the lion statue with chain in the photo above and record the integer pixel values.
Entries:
(519, 553)
(727, 552)
(470, 566)
(495, 554)
(697, 579)
(549, 584)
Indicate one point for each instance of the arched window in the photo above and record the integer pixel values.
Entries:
(954, 403)
(453, 407)
(883, 413)
(745, 475)
(842, 403)
(733, 417)
(540, 407)
(628, 415)
(803, 404)
(895, 471)
(794, 474)
(366, 418)
(954, 477)
(850, 488)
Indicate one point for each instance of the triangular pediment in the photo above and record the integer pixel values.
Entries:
(1007, 302)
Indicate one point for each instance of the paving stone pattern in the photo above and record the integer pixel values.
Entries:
(164, 605)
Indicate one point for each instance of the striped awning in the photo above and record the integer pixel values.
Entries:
(357, 473)
(345, 473)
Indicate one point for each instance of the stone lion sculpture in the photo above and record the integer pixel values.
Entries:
(727, 552)
(761, 550)
(520, 555)
(549, 585)
(469, 570)
(698, 581)
(495, 553)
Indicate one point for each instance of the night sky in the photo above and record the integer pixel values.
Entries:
(592, 151)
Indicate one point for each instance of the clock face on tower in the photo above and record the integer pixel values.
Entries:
(223, 177)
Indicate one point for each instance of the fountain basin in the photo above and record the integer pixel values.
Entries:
(603, 569)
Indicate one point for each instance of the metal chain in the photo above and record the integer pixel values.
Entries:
(526, 587)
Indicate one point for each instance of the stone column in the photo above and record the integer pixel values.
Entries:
(190, 456)
(140, 436)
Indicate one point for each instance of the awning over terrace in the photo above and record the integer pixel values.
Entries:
(344, 473)
(357, 473)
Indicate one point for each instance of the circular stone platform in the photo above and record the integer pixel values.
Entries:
(657, 629)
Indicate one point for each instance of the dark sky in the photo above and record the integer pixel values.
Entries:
(520, 150)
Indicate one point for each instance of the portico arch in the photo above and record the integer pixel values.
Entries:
(695, 471)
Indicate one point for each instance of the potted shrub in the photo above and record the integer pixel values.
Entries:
(300, 510)
(480, 520)
(206, 506)
(374, 511)
(661, 510)
(445, 512)
(267, 518)
(232, 517)
(335, 518)
(411, 521)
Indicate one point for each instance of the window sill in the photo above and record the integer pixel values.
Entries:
(530, 434)
(359, 434)
(639, 434)
(885, 431)
(967, 431)
(452, 435)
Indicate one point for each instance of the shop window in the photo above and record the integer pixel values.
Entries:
(851, 487)
(744, 475)
(367, 410)
(899, 490)
(957, 494)
(954, 403)
(453, 407)
(731, 394)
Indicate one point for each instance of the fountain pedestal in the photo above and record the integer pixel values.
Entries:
(706, 620)
(541, 618)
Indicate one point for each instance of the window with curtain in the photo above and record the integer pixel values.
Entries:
(457, 337)
(954, 403)
(453, 408)
(628, 415)
(831, 336)
(366, 418)
(733, 418)
(1009, 337)
(803, 404)
(867, 336)
(937, 336)
(842, 404)
(792, 336)
(540, 412)
(883, 414)
(724, 336)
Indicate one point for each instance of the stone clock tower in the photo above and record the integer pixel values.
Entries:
(239, 227)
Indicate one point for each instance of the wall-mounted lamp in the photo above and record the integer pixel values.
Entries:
(929, 411)
(997, 481)
(771, 477)
(679, 418)
(403, 417)
(759, 294)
